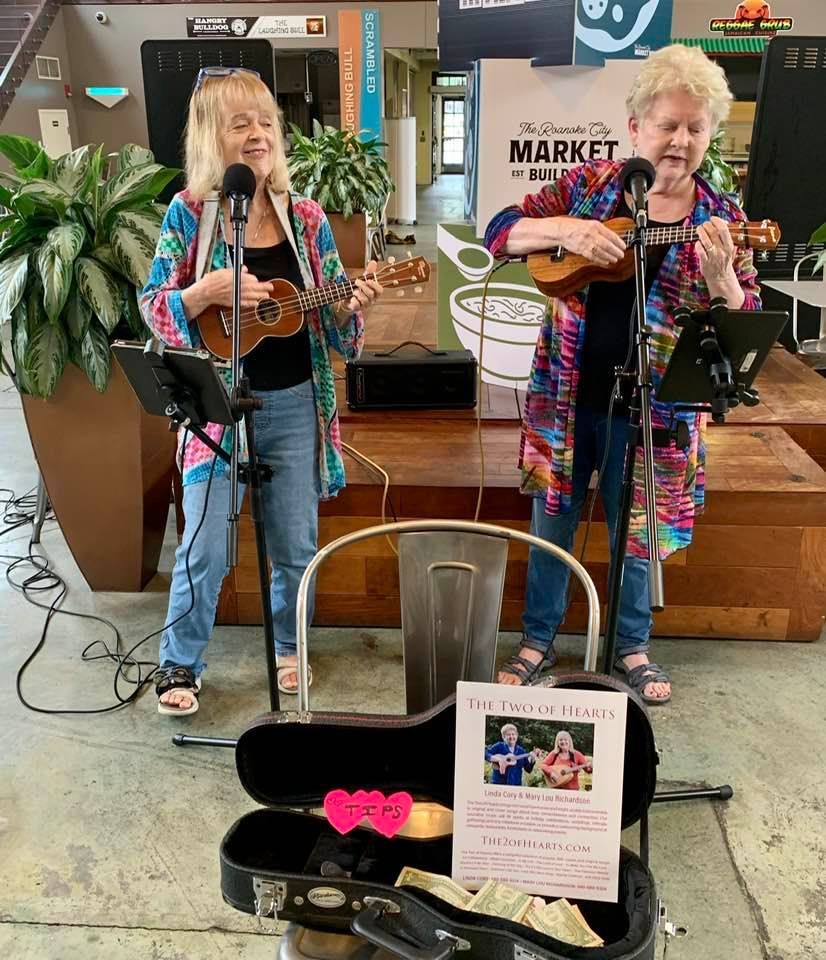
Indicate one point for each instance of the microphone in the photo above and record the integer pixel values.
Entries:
(637, 177)
(239, 186)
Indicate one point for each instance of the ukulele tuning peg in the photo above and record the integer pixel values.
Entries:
(417, 289)
(400, 293)
(409, 254)
(391, 260)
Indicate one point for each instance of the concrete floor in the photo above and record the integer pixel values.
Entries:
(109, 835)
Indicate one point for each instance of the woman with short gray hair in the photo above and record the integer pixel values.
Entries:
(576, 410)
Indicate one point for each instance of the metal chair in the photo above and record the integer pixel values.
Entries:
(451, 581)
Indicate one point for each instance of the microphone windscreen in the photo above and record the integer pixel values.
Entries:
(637, 165)
(239, 181)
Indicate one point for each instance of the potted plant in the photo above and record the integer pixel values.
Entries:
(715, 169)
(348, 177)
(74, 245)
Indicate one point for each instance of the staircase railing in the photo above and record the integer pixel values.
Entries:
(23, 27)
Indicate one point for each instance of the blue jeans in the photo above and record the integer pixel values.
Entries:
(547, 581)
(286, 435)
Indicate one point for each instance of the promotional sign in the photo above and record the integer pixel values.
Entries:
(269, 27)
(514, 308)
(359, 71)
(751, 18)
(534, 125)
(538, 789)
(620, 29)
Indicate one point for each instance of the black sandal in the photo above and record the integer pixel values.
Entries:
(639, 677)
(525, 670)
(177, 678)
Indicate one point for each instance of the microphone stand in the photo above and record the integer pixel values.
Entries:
(244, 405)
(639, 431)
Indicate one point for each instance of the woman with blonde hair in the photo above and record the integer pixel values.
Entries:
(233, 118)
(562, 765)
(575, 416)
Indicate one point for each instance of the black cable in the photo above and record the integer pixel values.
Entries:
(17, 514)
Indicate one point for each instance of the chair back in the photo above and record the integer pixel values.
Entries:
(450, 586)
(470, 581)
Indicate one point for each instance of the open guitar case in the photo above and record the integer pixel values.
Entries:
(283, 862)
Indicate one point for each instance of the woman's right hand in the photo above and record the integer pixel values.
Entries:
(592, 240)
(218, 287)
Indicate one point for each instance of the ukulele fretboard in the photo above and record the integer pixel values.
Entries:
(332, 293)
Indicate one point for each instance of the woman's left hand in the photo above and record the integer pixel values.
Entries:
(715, 249)
(366, 292)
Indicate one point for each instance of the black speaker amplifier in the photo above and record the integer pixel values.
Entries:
(437, 379)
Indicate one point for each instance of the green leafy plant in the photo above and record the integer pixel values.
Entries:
(715, 169)
(819, 236)
(339, 171)
(74, 246)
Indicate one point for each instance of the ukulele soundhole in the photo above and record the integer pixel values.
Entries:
(268, 312)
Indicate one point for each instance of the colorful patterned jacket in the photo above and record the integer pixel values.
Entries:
(173, 269)
(547, 445)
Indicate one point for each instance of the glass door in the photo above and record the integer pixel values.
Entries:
(453, 134)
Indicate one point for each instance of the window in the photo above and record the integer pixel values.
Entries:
(449, 79)
(48, 68)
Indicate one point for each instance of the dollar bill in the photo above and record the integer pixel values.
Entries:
(584, 923)
(442, 887)
(560, 920)
(500, 900)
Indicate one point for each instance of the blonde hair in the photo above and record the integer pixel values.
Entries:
(559, 736)
(509, 726)
(203, 153)
(678, 67)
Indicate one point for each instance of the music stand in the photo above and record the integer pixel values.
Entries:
(184, 385)
(740, 338)
(716, 360)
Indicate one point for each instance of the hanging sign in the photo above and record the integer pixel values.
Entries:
(620, 29)
(252, 27)
(752, 18)
(359, 71)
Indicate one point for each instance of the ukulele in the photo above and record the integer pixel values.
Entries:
(284, 313)
(505, 760)
(559, 776)
(559, 273)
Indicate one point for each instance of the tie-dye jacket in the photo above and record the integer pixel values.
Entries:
(547, 446)
(173, 269)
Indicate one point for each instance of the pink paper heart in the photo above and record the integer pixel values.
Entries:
(388, 814)
(343, 810)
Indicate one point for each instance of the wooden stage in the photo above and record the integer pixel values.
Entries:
(756, 568)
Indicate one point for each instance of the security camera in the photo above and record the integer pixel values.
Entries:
(101, 17)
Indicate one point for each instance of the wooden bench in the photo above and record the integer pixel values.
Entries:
(756, 568)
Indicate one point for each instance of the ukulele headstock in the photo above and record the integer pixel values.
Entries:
(403, 273)
(762, 235)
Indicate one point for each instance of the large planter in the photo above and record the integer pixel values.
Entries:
(107, 466)
(350, 235)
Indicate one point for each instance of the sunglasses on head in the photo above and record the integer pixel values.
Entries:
(206, 72)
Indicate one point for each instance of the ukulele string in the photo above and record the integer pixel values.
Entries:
(348, 287)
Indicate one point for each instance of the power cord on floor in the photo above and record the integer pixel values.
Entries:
(20, 511)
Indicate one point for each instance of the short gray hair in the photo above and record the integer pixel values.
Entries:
(509, 726)
(678, 67)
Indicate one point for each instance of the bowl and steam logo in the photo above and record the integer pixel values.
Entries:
(513, 317)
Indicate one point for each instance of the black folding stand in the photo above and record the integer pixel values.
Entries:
(184, 385)
(712, 369)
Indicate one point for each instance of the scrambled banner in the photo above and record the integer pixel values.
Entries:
(359, 69)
